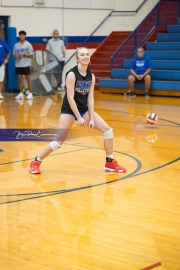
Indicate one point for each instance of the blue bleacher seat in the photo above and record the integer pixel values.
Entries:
(165, 55)
(163, 46)
(159, 64)
(155, 85)
(171, 75)
(168, 37)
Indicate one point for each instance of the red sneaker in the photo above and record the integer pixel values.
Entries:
(113, 166)
(34, 167)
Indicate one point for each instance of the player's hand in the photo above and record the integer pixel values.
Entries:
(91, 124)
(140, 77)
(5, 61)
(82, 122)
(20, 55)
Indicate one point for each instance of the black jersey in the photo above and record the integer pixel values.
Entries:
(81, 91)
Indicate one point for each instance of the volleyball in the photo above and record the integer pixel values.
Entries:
(151, 118)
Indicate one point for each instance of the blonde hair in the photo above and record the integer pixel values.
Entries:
(77, 50)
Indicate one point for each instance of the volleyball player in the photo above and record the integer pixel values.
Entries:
(78, 104)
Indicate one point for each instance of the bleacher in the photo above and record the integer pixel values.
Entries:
(165, 55)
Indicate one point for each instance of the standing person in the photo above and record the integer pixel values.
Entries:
(56, 46)
(4, 58)
(140, 69)
(23, 52)
(78, 104)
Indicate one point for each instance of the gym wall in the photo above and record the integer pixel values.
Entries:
(73, 18)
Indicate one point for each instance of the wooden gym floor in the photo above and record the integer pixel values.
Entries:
(74, 215)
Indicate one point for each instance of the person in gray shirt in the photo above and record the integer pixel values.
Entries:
(56, 47)
(23, 52)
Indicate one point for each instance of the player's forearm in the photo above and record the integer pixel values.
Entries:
(133, 72)
(28, 55)
(8, 56)
(16, 56)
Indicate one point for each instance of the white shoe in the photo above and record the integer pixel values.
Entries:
(29, 96)
(1, 97)
(20, 96)
(60, 88)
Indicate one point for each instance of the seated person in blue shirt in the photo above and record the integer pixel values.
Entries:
(140, 70)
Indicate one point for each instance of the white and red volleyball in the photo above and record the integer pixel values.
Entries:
(151, 118)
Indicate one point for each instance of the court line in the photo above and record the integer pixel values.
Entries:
(122, 178)
(15, 161)
(159, 167)
(103, 183)
(80, 188)
(152, 266)
(51, 193)
(178, 124)
(92, 186)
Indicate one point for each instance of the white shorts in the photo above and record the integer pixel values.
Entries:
(2, 71)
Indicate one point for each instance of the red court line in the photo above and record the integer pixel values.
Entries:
(89, 45)
(152, 266)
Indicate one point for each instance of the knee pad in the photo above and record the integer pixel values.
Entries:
(55, 145)
(108, 134)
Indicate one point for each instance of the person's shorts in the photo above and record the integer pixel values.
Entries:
(2, 72)
(23, 70)
(136, 80)
(81, 113)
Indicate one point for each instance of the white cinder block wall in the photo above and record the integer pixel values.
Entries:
(73, 17)
(39, 21)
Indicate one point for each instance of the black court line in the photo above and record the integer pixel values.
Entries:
(57, 192)
(34, 193)
(159, 167)
(15, 161)
(133, 174)
(51, 193)
(135, 114)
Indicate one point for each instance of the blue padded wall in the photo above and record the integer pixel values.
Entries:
(12, 82)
